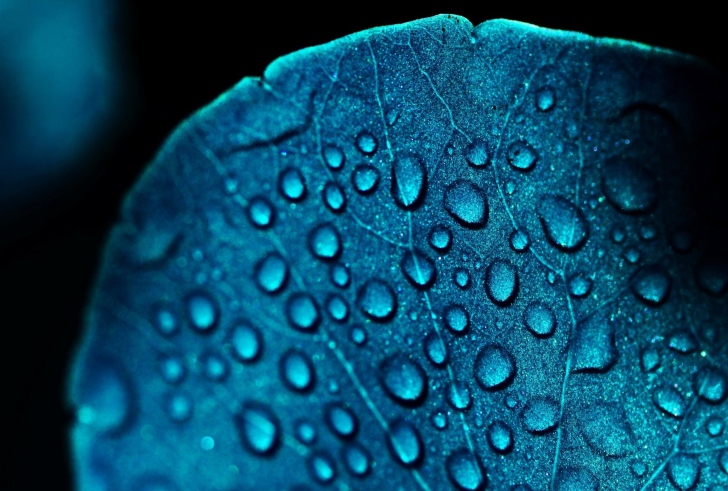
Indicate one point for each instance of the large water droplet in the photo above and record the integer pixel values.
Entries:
(202, 311)
(324, 242)
(405, 443)
(377, 301)
(333, 157)
(403, 379)
(366, 143)
(500, 437)
(458, 395)
(606, 430)
(651, 284)
(628, 186)
(682, 341)
(519, 240)
(467, 204)
(576, 479)
(669, 401)
(683, 471)
(711, 385)
(545, 99)
(522, 156)
(418, 269)
(540, 415)
(563, 223)
(334, 197)
(409, 180)
(258, 428)
(465, 471)
(456, 318)
(435, 349)
(365, 179)
(494, 367)
(105, 396)
(271, 273)
(321, 467)
(440, 238)
(477, 154)
(341, 420)
(302, 312)
(260, 212)
(291, 184)
(594, 349)
(356, 460)
(539, 319)
(501, 282)
(297, 371)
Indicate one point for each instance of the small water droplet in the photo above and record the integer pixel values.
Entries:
(682, 341)
(648, 231)
(456, 318)
(494, 367)
(165, 321)
(356, 460)
(333, 157)
(172, 369)
(467, 204)
(477, 153)
(712, 276)
(418, 269)
(650, 359)
(403, 379)
(628, 186)
(215, 367)
(500, 437)
(618, 234)
(631, 255)
(545, 99)
(334, 197)
(563, 223)
(341, 420)
(377, 301)
(522, 156)
(202, 311)
(321, 467)
(714, 426)
(594, 349)
(580, 285)
(337, 308)
(501, 282)
(179, 407)
(358, 335)
(271, 273)
(291, 184)
(651, 284)
(261, 213)
(461, 277)
(297, 371)
(435, 349)
(540, 415)
(339, 275)
(638, 468)
(440, 238)
(669, 401)
(519, 240)
(405, 443)
(324, 242)
(539, 319)
(302, 312)
(366, 143)
(365, 179)
(409, 180)
(305, 432)
(439, 420)
(458, 395)
(207, 443)
(465, 471)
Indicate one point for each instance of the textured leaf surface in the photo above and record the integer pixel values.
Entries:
(426, 256)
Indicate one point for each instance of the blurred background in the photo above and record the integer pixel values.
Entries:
(89, 89)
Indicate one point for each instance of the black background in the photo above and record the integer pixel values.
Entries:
(179, 59)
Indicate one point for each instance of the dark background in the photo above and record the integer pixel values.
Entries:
(178, 60)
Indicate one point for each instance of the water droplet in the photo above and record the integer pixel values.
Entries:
(711, 385)
(461, 277)
(339, 275)
(215, 367)
(258, 428)
(439, 420)
(710, 332)
(302, 312)
(165, 321)
(638, 468)
(202, 311)
(333, 157)
(105, 395)
(631, 255)
(173, 371)
(494, 367)
(522, 156)
(321, 467)
(456, 318)
(366, 143)
(418, 269)
(334, 197)
(723, 461)
(477, 153)
(539, 319)
(440, 238)
(324, 242)
(291, 184)
(563, 223)
(594, 349)
(650, 359)
(260, 212)
(358, 335)
(501, 282)
(500, 437)
(683, 471)
(435, 349)
(405, 443)
(356, 460)
(271, 273)
(669, 401)
(246, 342)
(297, 371)
(377, 301)
(341, 420)
(714, 426)
(467, 204)
(606, 430)
(337, 308)
(618, 234)
(648, 231)
(305, 432)
(179, 407)
(576, 479)
(207, 443)
(580, 285)
(520, 241)
(628, 186)
(545, 99)
(712, 276)
(465, 471)
(409, 180)
(365, 179)
(651, 284)
(403, 379)
(458, 395)
(682, 341)
(540, 415)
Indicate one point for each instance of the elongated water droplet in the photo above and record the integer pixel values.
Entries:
(465, 471)
(334, 197)
(501, 282)
(461, 277)
(172, 369)
(357, 460)
(418, 269)
(333, 157)
(500, 437)
(563, 223)
(297, 371)
(405, 443)
(165, 321)
(409, 180)
(271, 273)
(258, 429)
(291, 184)
(246, 342)
(179, 407)
(321, 467)
(337, 308)
(545, 99)
(580, 285)
(105, 395)
(650, 359)
(339, 275)
(435, 349)
(341, 420)
(594, 349)
(669, 401)
(458, 395)
(305, 432)
(467, 204)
